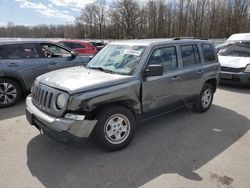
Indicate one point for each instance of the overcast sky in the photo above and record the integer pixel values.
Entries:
(34, 12)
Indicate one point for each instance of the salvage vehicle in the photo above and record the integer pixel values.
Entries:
(22, 61)
(82, 47)
(125, 83)
(234, 57)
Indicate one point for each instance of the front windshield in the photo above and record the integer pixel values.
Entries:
(239, 49)
(118, 59)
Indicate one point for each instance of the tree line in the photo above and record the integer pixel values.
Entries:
(127, 19)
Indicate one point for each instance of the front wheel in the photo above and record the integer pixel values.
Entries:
(115, 128)
(205, 98)
(10, 92)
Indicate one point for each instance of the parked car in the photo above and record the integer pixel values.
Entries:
(82, 47)
(126, 82)
(22, 61)
(98, 44)
(234, 57)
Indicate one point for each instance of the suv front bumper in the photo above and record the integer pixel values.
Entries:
(64, 129)
(241, 78)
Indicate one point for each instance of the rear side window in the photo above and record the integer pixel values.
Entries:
(1, 52)
(208, 53)
(190, 55)
(21, 51)
(73, 45)
(77, 45)
(165, 56)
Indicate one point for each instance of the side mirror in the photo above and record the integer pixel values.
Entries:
(154, 70)
(73, 54)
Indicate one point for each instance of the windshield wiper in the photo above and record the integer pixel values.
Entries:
(101, 69)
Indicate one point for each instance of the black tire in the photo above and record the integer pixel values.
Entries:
(103, 127)
(12, 99)
(200, 106)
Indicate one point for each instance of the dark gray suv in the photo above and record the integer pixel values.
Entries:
(125, 82)
(22, 61)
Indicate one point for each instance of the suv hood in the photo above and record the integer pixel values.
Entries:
(234, 62)
(78, 79)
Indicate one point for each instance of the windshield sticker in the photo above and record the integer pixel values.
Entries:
(132, 52)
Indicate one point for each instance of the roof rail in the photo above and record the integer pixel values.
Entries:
(180, 38)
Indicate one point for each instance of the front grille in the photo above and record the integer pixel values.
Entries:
(229, 69)
(44, 98)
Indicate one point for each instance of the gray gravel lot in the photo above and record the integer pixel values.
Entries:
(180, 149)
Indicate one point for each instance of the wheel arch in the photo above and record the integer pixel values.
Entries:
(129, 104)
(18, 80)
(213, 82)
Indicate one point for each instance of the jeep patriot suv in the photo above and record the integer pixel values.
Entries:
(125, 82)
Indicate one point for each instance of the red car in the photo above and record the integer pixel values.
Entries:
(82, 47)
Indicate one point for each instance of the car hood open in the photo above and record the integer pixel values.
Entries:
(234, 62)
(78, 79)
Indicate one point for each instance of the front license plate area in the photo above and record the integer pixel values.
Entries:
(226, 76)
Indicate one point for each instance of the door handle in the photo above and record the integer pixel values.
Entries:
(12, 65)
(200, 71)
(52, 63)
(175, 77)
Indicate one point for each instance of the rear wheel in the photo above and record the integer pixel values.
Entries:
(115, 128)
(205, 98)
(10, 92)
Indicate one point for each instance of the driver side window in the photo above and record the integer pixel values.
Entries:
(52, 51)
(166, 56)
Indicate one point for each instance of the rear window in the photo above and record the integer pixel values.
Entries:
(190, 55)
(239, 49)
(208, 52)
(21, 51)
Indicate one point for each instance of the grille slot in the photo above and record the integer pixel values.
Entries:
(229, 69)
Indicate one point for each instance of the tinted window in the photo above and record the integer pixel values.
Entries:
(69, 45)
(52, 51)
(73, 45)
(21, 51)
(190, 55)
(165, 56)
(77, 45)
(240, 49)
(1, 52)
(208, 52)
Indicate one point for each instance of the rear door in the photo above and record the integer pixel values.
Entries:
(192, 71)
(23, 60)
(210, 61)
(58, 57)
(2, 54)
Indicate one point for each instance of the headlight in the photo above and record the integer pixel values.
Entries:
(247, 68)
(61, 101)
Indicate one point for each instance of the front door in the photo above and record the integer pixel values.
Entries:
(58, 57)
(159, 92)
